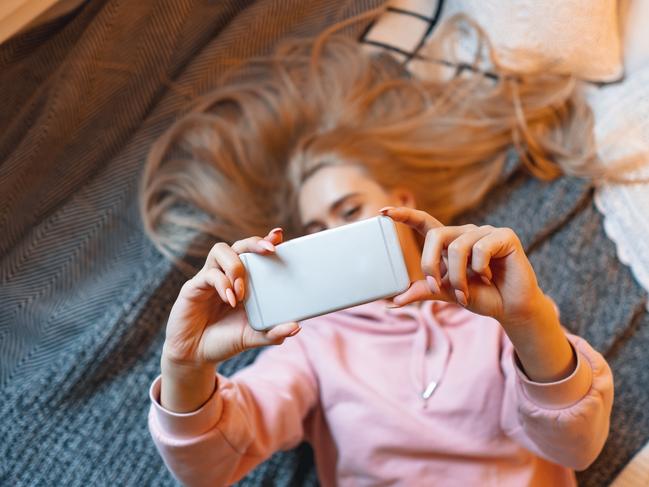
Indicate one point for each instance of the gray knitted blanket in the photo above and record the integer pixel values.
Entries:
(84, 296)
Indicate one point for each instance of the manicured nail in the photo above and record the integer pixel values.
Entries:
(461, 297)
(276, 230)
(432, 284)
(265, 244)
(486, 280)
(231, 299)
(294, 332)
(239, 288)
(385, 209)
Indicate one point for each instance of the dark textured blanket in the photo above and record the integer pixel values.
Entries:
(84, 296)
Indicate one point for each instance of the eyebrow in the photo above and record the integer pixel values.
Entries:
(334, 206)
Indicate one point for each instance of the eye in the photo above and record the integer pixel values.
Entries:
(351, 213)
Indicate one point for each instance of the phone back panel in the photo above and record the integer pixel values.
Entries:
(325, 272)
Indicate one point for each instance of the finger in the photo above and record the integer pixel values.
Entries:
(250, 244)
(257, 245)
(459, 252)
(225, 258)
(481, 258)
(209, 279)
(420, 291)
(419, 220)
(280, 332)
(436, 241)
(273, 336)
(275, 236)
(499, 243)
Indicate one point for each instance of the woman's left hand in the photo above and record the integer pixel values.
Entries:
(484, 268)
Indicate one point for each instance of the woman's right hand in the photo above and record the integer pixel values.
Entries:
(207, 325)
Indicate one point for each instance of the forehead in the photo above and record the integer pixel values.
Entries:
(328, 184)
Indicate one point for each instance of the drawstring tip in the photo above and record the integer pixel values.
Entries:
(429, 390)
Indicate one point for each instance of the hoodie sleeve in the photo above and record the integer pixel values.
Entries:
(256, 412)
(565, 422)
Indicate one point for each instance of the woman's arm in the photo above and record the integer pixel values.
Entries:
(208, 429)
(540, 342)
(485, 269)
(565, 421)
(258, 411)
(559, 390)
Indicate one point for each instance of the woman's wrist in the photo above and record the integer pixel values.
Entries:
(540, 343)
(185, 387)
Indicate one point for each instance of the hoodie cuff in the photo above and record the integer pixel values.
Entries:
(186, 425)
(563, 393)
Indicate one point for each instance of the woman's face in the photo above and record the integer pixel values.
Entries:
(339, 194)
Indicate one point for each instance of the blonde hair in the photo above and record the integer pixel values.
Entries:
(232, 166)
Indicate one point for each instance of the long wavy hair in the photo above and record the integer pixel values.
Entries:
(233, 165)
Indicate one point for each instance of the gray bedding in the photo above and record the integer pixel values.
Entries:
(83, 294)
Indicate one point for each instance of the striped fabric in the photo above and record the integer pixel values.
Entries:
(84, 296)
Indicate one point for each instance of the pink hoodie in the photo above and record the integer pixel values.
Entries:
(429, 394)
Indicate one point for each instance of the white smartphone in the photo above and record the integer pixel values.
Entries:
(324, 272)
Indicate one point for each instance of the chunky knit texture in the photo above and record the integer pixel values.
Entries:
(84, 296)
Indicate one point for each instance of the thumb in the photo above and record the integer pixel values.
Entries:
(421, 291)
(273, 336)
(280, 332)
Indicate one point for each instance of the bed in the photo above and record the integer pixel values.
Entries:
(84, 295)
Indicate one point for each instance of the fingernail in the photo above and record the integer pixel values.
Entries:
(294, 332)
(488, 274)
(486, 280)
(231, 299)
(385, 209)
(461, 297)
(267, 245)
(432, 284)
(239, 288)
(276, 230)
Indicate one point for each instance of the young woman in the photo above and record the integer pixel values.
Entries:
(467, 378)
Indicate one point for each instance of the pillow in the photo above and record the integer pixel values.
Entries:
(634, 16)
(568, 36)
(621, 130)
(579, 37)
